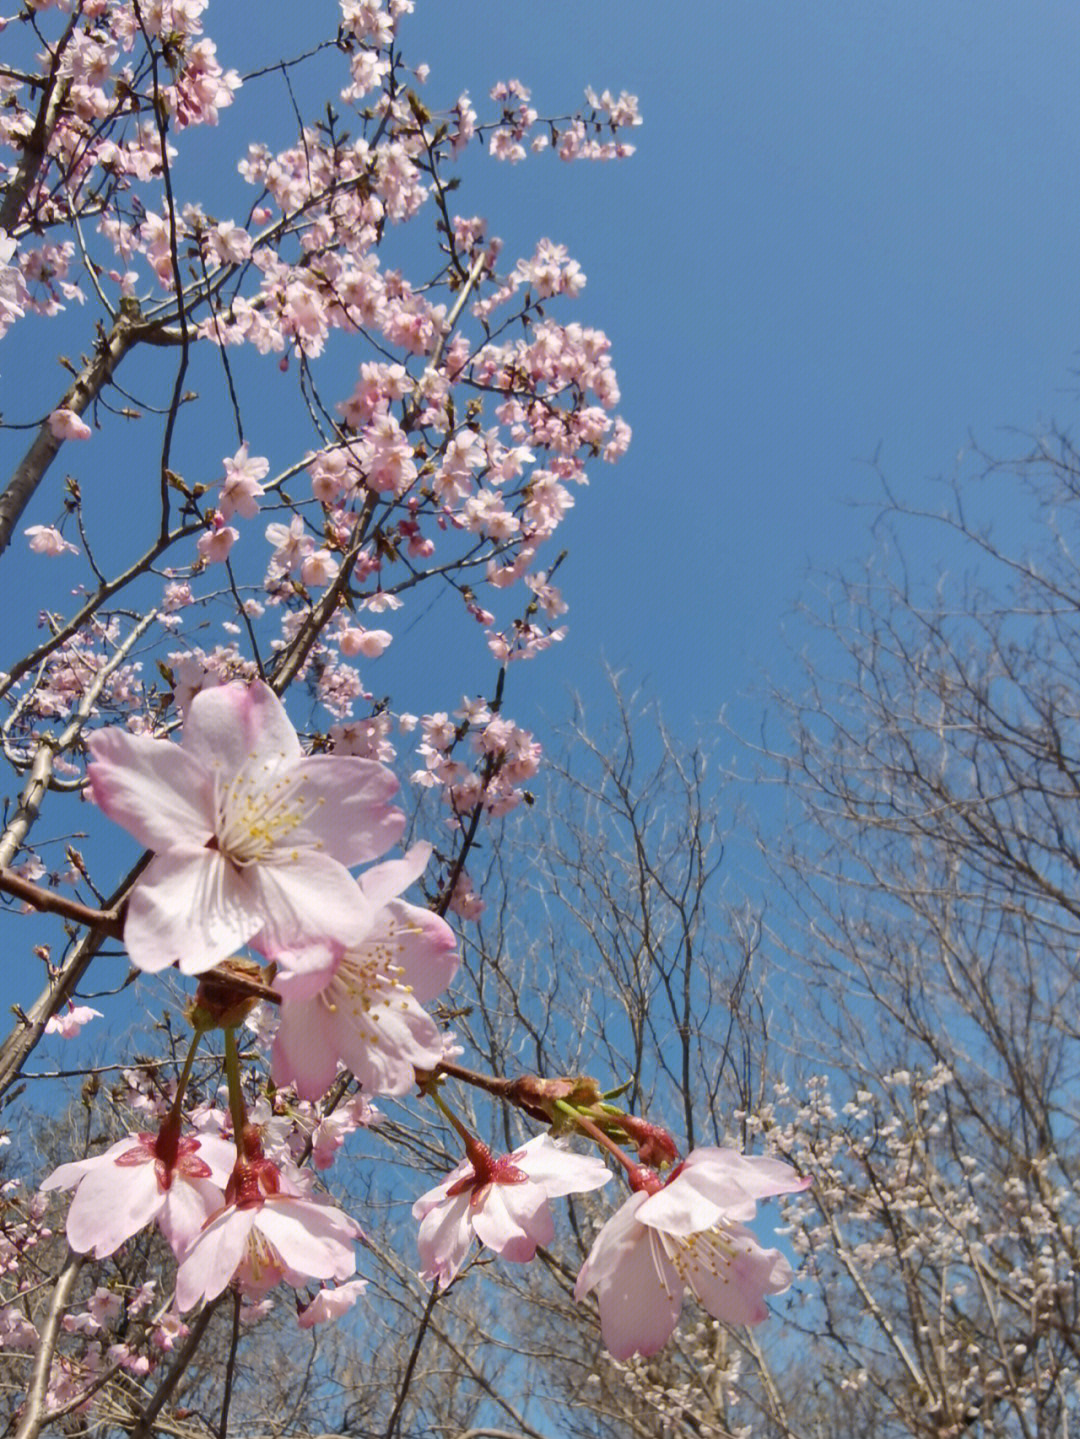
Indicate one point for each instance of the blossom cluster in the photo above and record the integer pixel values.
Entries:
(252, 843)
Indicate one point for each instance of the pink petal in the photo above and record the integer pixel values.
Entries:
(301, 1054)
(307, 895)
(66, 1176)
(110, 1205)
(733, 1291)
(383, 1050)
(151, 787)
(351, 816)
(330, 1304)
(758, 1175)
(513, 1219)
(439, 1195)
(191, 909)
(717, 1183)
(229, 726)
(619, 1236)
(426, 946)
(681, 1208)
(444, 1239)
(386, 881)
(214, 1257)
(313, 1239)
(639, 1292)
(560, 1171)
(187, 1206)
(306, 970)
(219, 1154)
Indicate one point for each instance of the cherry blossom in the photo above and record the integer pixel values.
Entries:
(503, 1202)
(687, 1232)
(46, 540)
(269, 1231)
(252, 838)
(240, 489)
(66, 425)
(362, 1006)
(177, 1181)
(331, 1303)
(215, 545)
(71, 1021)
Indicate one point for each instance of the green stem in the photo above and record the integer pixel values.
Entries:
(237, 1108)
(595, 1132)
(185, 1075)
(438, 1100)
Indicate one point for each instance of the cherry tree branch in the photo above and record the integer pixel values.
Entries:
(62, 984)
(142, 1428)
(89, 383)
(33, 1415)
(36, 145)
(47, 901)
(41, 767)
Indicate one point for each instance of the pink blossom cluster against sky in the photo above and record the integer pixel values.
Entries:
(252, 842)
(822, 245)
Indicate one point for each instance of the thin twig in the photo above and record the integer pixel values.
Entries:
(47, 901)
(399, 1402)
(230, 1368)
(141, 1429)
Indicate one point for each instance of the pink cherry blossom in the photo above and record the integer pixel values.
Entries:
(70, 1023)
(177, 1181)
(503, 1201)
(252, 836)
(240, 489)
(292, 545)
(215, 545)
(362, 1005)
(269, 1231)
(330, 1304)
(354, 640)
(47, 540)
(66, 425)
(319, 568)
(687, 1233)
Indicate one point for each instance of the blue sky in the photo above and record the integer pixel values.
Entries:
(849, 229)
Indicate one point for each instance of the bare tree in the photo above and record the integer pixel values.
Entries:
(931, 923)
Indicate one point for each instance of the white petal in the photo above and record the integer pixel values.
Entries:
(155, 790)
(191, 909)
(214, 1257)
(227, 727)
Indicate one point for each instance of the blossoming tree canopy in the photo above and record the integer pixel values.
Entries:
(273, 875)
